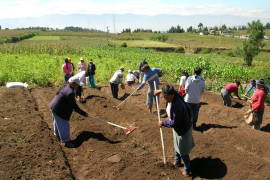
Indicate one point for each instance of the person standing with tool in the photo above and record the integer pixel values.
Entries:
(151, 75)
(180, 119)
(62, 106)
(117, 79)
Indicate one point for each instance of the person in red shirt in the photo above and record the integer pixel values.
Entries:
(257, 104)
(226, 93)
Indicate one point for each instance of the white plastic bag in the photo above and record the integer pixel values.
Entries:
(16, 84)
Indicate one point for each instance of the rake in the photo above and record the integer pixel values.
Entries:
(126, 130)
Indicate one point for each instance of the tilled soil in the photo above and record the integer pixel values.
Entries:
(226, 148)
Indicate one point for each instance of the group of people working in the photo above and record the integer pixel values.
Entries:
(182, 105)
(260, 91)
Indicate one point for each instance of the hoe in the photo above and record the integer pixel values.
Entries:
(126, 130)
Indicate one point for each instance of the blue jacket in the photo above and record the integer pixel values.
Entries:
(148, 77)
(181, 116)
(64, 103)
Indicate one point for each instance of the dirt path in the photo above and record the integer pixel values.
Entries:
(27, 149)
(226, 148)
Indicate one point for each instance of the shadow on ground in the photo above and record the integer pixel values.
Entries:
(205, 127)
(208, 168)
(94, 96)
(124, 97)
(237, 105)
(86, 135)
(266, 128)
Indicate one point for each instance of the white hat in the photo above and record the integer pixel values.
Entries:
(81, 59)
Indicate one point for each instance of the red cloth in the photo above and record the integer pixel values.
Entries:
(67, 68)
(182, 91)
(232, 88)
(257, 100)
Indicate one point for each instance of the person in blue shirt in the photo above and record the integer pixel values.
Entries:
(150, 76)
(253, 86)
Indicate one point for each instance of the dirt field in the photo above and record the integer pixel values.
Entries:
(226, 148)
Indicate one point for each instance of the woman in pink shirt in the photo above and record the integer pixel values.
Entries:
(67, 69)
(226, 93)
(257, 104)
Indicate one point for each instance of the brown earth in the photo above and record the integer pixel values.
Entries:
(226, 148)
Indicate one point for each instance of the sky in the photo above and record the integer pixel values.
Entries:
(37, 8)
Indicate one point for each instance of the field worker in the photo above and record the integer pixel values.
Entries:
(194, 88)
(82, 66)
(140, 69)
(80, 77)
(150, 76)
(253, 86)
(226, 93)
(92, 71)
(73, 67)
(180, 119)
(130, 78)
(257, 104)
(136, 74)
(182, 83)
(117, 79)
(67, 69)
(62, 107)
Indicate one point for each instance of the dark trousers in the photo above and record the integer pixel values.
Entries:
(195, 108)
(78, 91)
(115, 89)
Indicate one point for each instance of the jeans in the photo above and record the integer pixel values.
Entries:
(61, 128)
(92, 81)
(114, 89)
(258, 119)
(195, 108)
(185, 159)
(78, 91)
(66, 77)
(226, 97)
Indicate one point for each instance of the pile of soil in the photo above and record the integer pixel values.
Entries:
(226, 148)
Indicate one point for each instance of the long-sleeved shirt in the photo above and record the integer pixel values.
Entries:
(117, 77)
(64, 103)
(150, 77)
(82, 66)
(194, 87)
(257, 100)
(130, 77)
(183, 80)
(179, 117)
(232, 87)
(67, 68)
(80, 76)
(92, 69)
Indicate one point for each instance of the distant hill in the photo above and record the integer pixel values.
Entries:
(117, 22)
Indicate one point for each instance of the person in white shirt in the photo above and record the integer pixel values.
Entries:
(194, 87)
(82, 66)
(80, 77)
(130, 78)
(182, 83)
(117, 79)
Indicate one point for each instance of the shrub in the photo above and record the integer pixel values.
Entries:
(124, 44)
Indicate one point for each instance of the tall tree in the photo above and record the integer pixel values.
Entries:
(254, 44)
(200, 26)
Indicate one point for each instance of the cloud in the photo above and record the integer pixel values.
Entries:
(34, 8)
